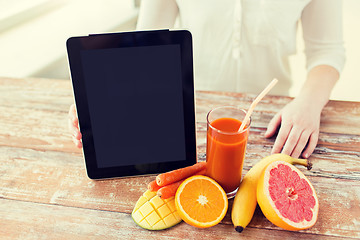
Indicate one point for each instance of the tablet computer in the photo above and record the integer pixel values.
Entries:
(134, 96)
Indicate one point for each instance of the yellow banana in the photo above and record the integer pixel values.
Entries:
(245, 200)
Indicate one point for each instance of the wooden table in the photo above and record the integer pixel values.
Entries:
(46, 194)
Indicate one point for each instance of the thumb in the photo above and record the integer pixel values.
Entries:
(273, 125)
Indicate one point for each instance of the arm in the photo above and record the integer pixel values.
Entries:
(299, 121)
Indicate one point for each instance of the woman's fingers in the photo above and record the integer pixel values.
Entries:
(77, 143)
(292, 141)
(73, 116)
(313, 139)
(73, 121)
(72, 110)
(77, 135)
(282, 137)
(302, 141)
(273, 125)
(73, 124)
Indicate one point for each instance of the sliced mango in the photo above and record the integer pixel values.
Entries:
(153, 213)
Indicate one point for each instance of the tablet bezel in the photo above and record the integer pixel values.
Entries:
(132, 39)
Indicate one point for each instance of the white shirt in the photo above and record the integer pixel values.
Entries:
(241, 45)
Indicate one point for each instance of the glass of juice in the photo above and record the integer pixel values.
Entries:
(226, 146)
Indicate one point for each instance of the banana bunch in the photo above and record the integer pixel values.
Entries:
(245, 200)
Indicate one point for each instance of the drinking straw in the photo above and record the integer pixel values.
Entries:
(256, 101)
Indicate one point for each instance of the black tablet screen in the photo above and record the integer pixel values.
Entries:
(135, 103)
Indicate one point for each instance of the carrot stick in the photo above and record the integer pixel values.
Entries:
(152, 186)
(179, 174)
(169, 190)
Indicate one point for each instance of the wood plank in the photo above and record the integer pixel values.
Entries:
(43, 221)
(59, 178)
(328, 142)
(46, 94)
(34, 114)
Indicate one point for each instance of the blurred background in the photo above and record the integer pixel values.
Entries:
(33, 35)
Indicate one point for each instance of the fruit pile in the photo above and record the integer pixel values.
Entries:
(283, 193)
(185, 192)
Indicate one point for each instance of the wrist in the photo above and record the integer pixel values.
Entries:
(313, 99)
(318, 86)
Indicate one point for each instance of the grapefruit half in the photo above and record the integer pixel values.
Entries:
(286, 197)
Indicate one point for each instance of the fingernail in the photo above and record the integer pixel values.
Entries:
(306, 155)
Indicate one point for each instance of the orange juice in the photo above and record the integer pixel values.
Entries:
(225, 152)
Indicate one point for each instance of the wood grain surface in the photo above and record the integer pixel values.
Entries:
(46, 194)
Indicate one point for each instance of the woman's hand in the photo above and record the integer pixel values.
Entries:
(298, 123)
(74, 126)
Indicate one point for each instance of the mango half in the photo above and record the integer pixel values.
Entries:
(153, 213)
